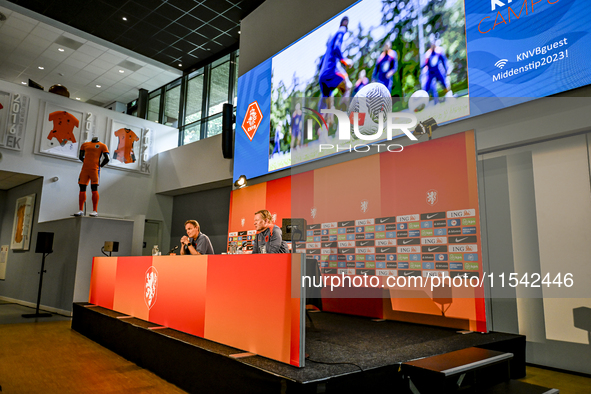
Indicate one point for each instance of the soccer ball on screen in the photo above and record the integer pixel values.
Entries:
(418, 101)
(373, 100)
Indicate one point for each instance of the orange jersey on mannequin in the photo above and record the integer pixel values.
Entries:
(93, 152)
(63, 125)
(125, 148)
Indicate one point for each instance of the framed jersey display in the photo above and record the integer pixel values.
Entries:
(23, 220)
(126, 146)
(59, 132)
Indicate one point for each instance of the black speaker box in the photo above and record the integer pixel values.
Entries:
(44, 243)
(227, 132)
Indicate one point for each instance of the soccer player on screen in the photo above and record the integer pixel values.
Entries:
(332, 74)
(296, 127)
(434, 69)
(361, 82)
(386, 66)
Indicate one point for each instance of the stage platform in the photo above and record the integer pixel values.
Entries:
(344, 353)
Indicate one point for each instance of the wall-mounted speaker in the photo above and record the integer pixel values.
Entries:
(227, 132)
(44, 243)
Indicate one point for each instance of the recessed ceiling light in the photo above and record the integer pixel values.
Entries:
(180, 64)
(124, 18)
(77, 98)
(238, 31)
(98, 86)
(61, 49)
(121, 71)
(41, 68)
(24, 83)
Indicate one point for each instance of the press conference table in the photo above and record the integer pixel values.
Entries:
(250, 302)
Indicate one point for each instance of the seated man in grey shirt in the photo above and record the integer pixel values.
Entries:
(195, 242)
(268, 238)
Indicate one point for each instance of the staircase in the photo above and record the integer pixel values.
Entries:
(471, 370)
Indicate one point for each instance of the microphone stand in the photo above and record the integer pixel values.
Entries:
(37, 314)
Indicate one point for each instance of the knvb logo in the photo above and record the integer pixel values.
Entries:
(364, 205)
(151, 287)
(432, 197)
(252, 119)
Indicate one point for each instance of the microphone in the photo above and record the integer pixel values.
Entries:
(173, 249)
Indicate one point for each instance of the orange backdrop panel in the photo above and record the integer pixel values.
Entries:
(278, 199)
(181, 293)
(439, 164)
(244, 203)
(248, 303)
(340, 189)
(302, 195)
(102, 281)
(130, 286)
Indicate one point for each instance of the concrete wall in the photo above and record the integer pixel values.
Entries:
(211, 208)
(76, 241)
(195, 166)
(276, 24)
(22, 279)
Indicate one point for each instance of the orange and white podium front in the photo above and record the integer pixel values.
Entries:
(250, 302)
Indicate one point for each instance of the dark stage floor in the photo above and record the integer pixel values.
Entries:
(369, 344)
(351, 342)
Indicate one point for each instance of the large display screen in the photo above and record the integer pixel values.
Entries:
(445, 59)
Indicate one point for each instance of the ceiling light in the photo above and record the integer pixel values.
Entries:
(61, 49)
(121, 71)
(98, 86)
(77, 98)
(180, 64)
(41, 68)
(124, 18)
(24, 83)
(238, 31)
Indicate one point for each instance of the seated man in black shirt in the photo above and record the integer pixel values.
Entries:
(195, 242)
(268, 238)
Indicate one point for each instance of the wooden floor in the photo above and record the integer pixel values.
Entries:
(52, 358)
(49, 357)
(566, 383)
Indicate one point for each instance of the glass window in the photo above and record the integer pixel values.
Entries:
(194, 99)
(235, 98)
(153, 108)
(192, 133)
(214, 126)
(171, 104)
(218, 93)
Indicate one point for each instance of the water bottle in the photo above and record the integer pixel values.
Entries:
(155, 251)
